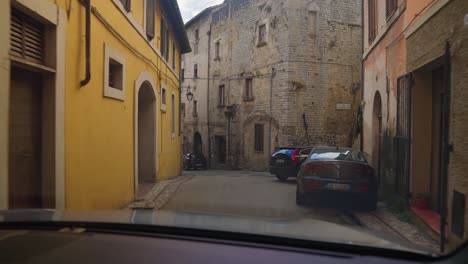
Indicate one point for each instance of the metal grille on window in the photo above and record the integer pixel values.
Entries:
(27, 38)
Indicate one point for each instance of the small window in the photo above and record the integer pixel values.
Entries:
(195, 113)
(262, 34)
(259, 137)
(173, 115)
(312, 23)
(195, 70)
(126, 4)
(197, 36)
(173, 55)
(221, 95)
(217, 45)
(149, 23)
(390, 7)
(182, 74)
(114, 73)
(163, 99)
(248, 92)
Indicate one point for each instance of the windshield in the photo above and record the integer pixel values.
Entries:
(222, 114)
(327, 154)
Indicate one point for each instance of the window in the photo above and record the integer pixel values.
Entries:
(149, 23)
(217, 50)
(164, 47)
(173, 115)
(221, 94)
(114, 73)
(27, 37)
(197, 36)
(390, 7)
(258, 137)
(195, 70)
(312, 23)
(195, 113)
(372, 16)
(262, 35)
(173, 54)
(248, 92)
(126, 4)
(182, 75)
(163, 99)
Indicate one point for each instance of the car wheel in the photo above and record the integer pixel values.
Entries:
(281, 177)
(301, 199)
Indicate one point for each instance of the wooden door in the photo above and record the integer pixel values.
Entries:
(25, 140)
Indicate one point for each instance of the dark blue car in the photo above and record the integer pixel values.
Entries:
(286, 161)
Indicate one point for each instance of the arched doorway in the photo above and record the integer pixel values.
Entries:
(146, 133)
(197, 143)
(376, 133)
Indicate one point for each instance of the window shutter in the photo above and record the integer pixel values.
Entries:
(150, 9)
(27, 38)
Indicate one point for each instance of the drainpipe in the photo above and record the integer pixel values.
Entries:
(87, 4)
(273, 73)
(208, 99)
(361, 139)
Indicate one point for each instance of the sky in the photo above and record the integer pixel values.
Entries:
(190, 8)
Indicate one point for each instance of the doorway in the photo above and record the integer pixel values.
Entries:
(146, 134)
(25, 139)
(197, 143)
(220, 147)
(377, 133)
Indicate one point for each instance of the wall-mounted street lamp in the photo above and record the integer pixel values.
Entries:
(189, 94)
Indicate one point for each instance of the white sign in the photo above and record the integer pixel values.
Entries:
(343, 106)
(466, 19)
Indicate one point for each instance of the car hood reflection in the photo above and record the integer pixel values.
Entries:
(302, 228)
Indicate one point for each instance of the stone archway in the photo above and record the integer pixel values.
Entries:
(377, 133)
(145, 124)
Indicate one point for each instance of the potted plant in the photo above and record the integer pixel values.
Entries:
(421, 201)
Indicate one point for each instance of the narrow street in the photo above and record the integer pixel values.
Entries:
(244, 193)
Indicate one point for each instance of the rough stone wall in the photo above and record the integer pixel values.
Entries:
(427, 44)
(198, 86)
(295, 73)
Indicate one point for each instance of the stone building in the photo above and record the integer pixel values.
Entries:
(415, 114)
(274, 73)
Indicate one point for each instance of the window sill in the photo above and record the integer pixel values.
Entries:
(163, 108)
(261, 44)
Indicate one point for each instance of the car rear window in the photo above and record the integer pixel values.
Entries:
(336, 154)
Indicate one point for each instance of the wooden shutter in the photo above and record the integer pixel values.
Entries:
(150, 9)
(127, 4)
(258, 137)
(27, 38)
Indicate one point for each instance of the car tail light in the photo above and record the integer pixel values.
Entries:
(363, 188)
(294, 157)
(312, 167)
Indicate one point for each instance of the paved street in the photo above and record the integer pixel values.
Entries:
(254, 194)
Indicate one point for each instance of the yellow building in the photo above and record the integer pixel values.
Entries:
(81, 130)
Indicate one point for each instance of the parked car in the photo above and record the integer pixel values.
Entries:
(332, 171)
(193, 161)
(285, 162)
